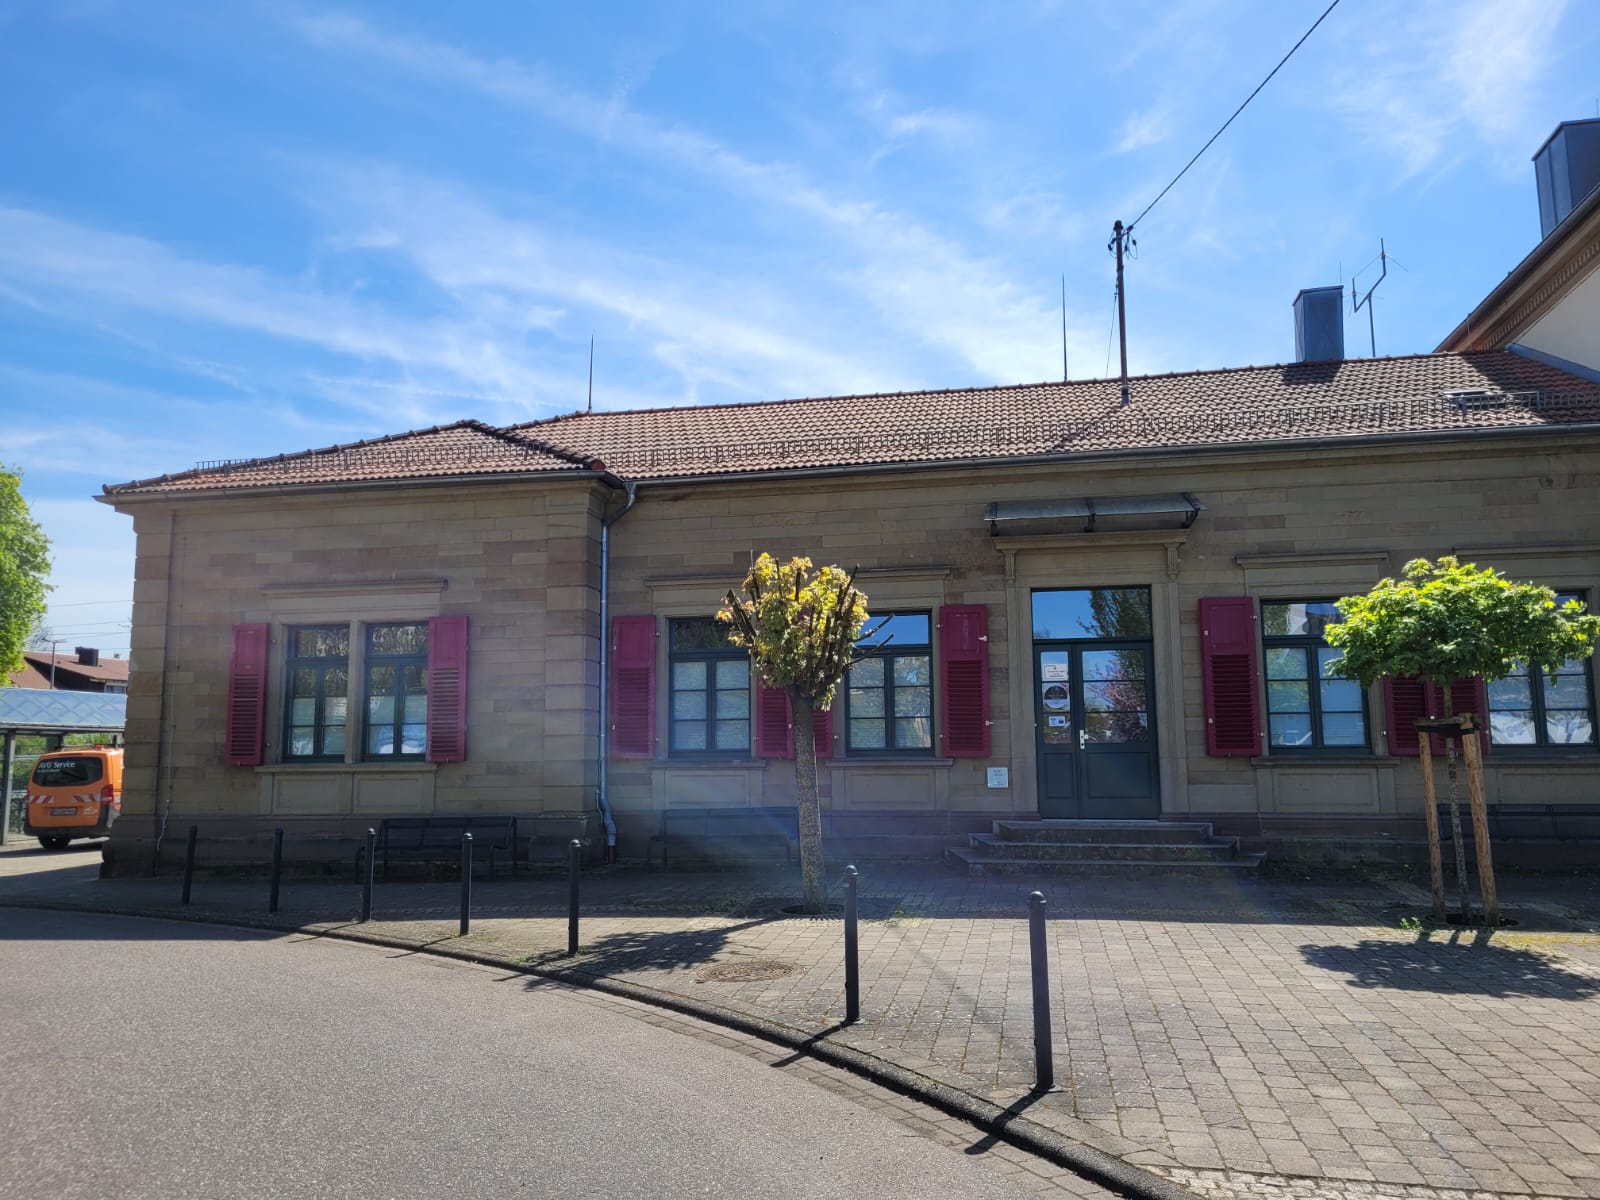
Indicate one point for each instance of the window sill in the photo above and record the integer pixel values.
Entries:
(409, 767)
(1324, 758)
(1502, 756)
(891, 760)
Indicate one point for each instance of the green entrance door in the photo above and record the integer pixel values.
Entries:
(1093, 705)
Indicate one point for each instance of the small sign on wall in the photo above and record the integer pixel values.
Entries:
(999, 777)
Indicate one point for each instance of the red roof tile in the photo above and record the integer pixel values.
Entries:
(1419, 394)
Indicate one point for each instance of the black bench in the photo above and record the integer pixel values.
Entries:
(700, 826)
(438, 839)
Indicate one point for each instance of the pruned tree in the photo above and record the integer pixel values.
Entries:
(1446, 622)
(800, 626)
(24, 564)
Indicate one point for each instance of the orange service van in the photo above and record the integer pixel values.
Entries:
(75, 792)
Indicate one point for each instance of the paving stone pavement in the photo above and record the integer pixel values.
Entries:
(1250, 1038)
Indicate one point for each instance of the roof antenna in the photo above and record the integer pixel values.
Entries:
(591, 372)
(1121, 241)
(1064, 375)
(1366, 301)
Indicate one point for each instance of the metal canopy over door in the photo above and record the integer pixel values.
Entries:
(1093, 704)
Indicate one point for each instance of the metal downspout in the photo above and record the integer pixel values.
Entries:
(632, 492)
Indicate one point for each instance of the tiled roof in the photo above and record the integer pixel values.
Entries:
(465, 448)
(1349, 398)
(35, 671)
(1418, 394)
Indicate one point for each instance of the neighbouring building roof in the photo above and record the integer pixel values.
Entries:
(70, 673)
(1351, 398)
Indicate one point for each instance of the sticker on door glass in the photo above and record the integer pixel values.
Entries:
(1052, 670)
(1056, 722)
(1057, 698)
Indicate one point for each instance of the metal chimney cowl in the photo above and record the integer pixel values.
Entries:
(1319, 324)
(1567, 168)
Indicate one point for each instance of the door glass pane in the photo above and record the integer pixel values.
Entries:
(1092, 613)
(1113, 664)
(1116, 728)
(1120, 695)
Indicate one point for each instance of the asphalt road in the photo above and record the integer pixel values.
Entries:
(156, 1059)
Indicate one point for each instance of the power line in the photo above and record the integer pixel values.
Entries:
(1236, 112)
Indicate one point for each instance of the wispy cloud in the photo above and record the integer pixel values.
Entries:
(1442, 79)
(1148, 128)
(920, 281)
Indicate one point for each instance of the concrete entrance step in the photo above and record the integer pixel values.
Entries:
(1122, 832)
(975, 861)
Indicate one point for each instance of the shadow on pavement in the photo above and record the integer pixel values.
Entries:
(1475, 968)
(620, 953)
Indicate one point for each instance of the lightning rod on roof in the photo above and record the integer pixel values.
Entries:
(1064, 375)
(591, 373)
(1366, 301)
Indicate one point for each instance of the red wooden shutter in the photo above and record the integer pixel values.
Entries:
(774, 723)
(1405, 702)
(822, 730)
(964, 680)
(633, 687)
(1229, 665)
(447, 689)
(247, 695)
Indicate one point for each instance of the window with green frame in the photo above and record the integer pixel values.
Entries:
(709, 690)
(1544, 708)
(395, 693)
(317, 693)
(889, 693)
(1307, 707)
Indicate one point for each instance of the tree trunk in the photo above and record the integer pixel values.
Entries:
(805, 787)
(1462, 886)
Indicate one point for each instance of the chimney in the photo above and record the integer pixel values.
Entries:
(1567, 168)
(1319, 324)
(88, 656)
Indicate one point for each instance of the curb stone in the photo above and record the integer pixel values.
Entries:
(1095, 1165)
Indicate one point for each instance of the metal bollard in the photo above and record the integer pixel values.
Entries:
(188, 862)
(574, 853)
(1043, 1053)
(852, 964)
(277, 869)
(366, 883)
(466, 883)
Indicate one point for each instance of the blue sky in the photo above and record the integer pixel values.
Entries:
(240, 229)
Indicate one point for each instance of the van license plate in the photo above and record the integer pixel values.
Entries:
(63, 812)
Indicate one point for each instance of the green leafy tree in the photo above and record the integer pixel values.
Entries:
(24, 564)
(800, 627)
(1449, 621)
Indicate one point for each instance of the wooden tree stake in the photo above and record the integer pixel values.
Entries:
(1480, 829)
(1430, 815)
